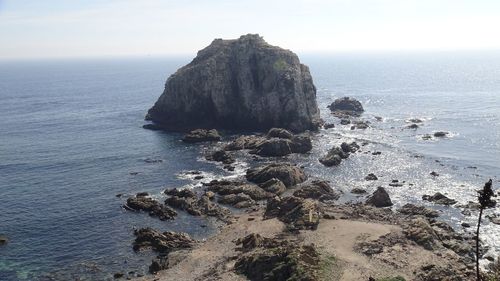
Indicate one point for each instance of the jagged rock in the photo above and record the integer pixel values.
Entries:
(201, 135)
(224, 187)
(199, 206)
(362, 125)
(221, 156)
(358, 190)
(414, 210)
(245, 142)
(279, 133)
(420, 231)
(161, 242)
(319, 190)
(346, 105)
(301, 144)
(439, 198)
(274, 147)
(153, 207)
(287, 173)
(380, 198)
(239, 200)
(371, 177)
(273, 261)
(274, 186)
(184, 193)
(297, 213)
(242, 84)
(336, 154)
(158, 264)
(440, 134)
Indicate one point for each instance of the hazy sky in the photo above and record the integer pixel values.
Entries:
(76, 28)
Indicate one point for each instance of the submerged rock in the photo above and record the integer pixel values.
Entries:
(287, 173)
(380, 198)
(439, 198)
(242, 84)
(201, 135)
(346, 105)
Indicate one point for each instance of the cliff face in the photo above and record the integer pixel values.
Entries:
(242, 84)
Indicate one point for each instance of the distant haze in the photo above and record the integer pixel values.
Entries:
(97, 28)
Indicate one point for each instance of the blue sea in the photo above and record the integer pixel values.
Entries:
(71, 143)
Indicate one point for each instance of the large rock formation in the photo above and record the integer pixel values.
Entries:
(241, 84)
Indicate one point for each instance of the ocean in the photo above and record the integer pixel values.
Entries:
(71, 142)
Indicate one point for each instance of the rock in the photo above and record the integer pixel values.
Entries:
(225, 187)
(274, 186)
(319, 190)
(336, 154)
(379, 118)
(153, 127)
(301, 144)
(414, 210)
(242, 84)
(221, 156)
(289, 174)
(347, 105)
(239, 200)
(202, 206)
(439, 198)
(426, 137)
(362, 125)
(118, 275)
(371, 177)
(494, 218)
(184, 193)
(376, 153)
(349, 147)
(380, 198)
(153, 207)
(440, 134)
(3, 240)
(327, 126)
(245, 142)
(345, 122)
(466, 225)
(161, 242)
(142, 194)
(412, 126)
(201, 135)
(415, 120)
(357, 190)
(434, 174)
(209, 194)
(279, 261)
(273, 147)
(420, 231)
(279, 133)
(158, 264)
(297, 213)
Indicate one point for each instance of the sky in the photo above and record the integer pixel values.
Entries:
(102, 28)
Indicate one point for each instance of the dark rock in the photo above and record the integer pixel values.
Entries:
(221, 156)
(201, 135)
(149, 160)
(379, 118)
(319, 190)
(380, 198)
(415, 120)
(414, 210)
(3, 240)
(242, 84)
(118, 275)
(466, 225)
(239, 200)
(142, 194)
(279, 133)
(434, 174)
(297, 213)
(224, 187)
(202, 206)
(412, 126)
(439, 198)
(349, 147)
(345, 122)
(347, 105)
(327, 126)
(161, 242)
(289, 174)
(371, 177)
(245, 142)
(426, 137)
(274, 147)
(376, 153)
(198, 177)
(153, 207)
(440, 134)
(153, 127)
(362, 125)
(420, 231)
(184, 193)
(158, 264)
(336, 154)
(358, 191)
(301, 144)
(274, 186)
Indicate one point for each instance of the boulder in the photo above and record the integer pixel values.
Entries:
(439, 198)
(371, 177)
(274, 147)
(241, 84)
(201, 135)
(358, 190)
(327, 126)
(245, 142)
(319, 190)
(412, 126)
(414, 210)
(202, 206)
(301, 144)
(336, 154)
(158, 264)
(239, 200)
(161, 242)
(279, 133)
(440, 134)
(184, 193)
(153, 207)
(380, 198)
(225, 187)
(220, 156)
(347, 105)
(420, 231)
(274, 186)
(297, 213)
(153, 127)
(287, 173)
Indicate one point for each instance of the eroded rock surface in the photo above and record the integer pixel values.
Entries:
(297, 213)
(241, 84)
(201, 135)
(161, 242)
(153, 207)
(287, 173)
(319, 190)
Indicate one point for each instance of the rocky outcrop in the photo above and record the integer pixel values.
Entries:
(187, 200)
(220, 156)
(439, 198)
(297, 213)
(153, 207)
(161, 242)
(346, 106)
(336, 154)
(380, 198)
(414, 210)
(319, 190)
(273, 186)
(201, 135)
(287, 173)
(242, 84)
(224, 187)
